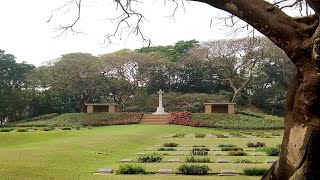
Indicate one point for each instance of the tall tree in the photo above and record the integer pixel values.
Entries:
(77, 75)
(14, 97)
(299, 38)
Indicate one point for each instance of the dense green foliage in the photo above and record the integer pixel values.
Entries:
(193, 169)
(255, 171)
(15, 93)
(237, 153)
(154, 157)
(170, 144)
(197, 159)
(130, 169)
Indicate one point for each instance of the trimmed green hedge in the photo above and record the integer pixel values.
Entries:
(78, 119)
(239, 121)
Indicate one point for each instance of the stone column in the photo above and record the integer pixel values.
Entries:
(160, 109)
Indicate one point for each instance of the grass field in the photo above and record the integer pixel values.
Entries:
(73, 154)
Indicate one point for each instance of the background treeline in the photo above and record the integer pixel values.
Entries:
(251, 72)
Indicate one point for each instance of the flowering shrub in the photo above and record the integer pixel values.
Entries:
(199, 151)
(184, 118)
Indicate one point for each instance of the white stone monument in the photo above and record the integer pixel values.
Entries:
(160, 109)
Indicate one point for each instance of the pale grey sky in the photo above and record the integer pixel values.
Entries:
(26, 34)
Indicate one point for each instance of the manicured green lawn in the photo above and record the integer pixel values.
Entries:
(73, 154)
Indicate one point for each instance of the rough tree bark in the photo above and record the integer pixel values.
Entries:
(300, 39)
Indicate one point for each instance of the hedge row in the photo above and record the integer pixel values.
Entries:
(84, 119)
(227, 121)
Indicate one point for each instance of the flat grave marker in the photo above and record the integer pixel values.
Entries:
(126, 160)
(179, 154)
(174, 160)
(228, 172)
(105, 171)
(165, 171)
(270, 161)
(182, 149)
(222, 161)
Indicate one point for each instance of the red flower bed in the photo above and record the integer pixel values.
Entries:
(185, 119)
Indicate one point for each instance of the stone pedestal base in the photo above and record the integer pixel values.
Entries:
(160, 110)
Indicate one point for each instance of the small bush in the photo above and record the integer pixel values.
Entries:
(272, 151)
(237, 153)
(77, 127)
(236, 134)
(22, 130)
(231, 149)
(276, 134)
(199, 146)
(199, 152)
(193, 169)
(227, 145)
(257, 144)
(66, 128)
(242, 161)
(6, 130)
(221, 136)
(261, 149)
(255, 171)
(198, 160)
(154, 157)
(170, 144)
(48, 128)
(199, 135)
(130, 169)
(179, 135)
(167, 149)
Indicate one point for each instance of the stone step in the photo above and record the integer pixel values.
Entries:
(155, 119)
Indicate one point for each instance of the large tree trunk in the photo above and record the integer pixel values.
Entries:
(300, 152)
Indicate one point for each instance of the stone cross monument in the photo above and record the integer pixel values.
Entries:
(160, 109)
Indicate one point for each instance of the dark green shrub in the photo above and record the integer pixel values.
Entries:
(199, 135)
(227, 145)
(170, 144)
(199, 152)
(242, 161)
(199, 146)
(6, 130)
(179, 135)
(198, 160)
(255, 171)
(221, 136)
(66, 128)
(257, 144)
(154, 157)
(272, 151)
(130, 169)
(193, 169)
(231, 149)
(167, 149)
(22, 130)
(237, 153)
